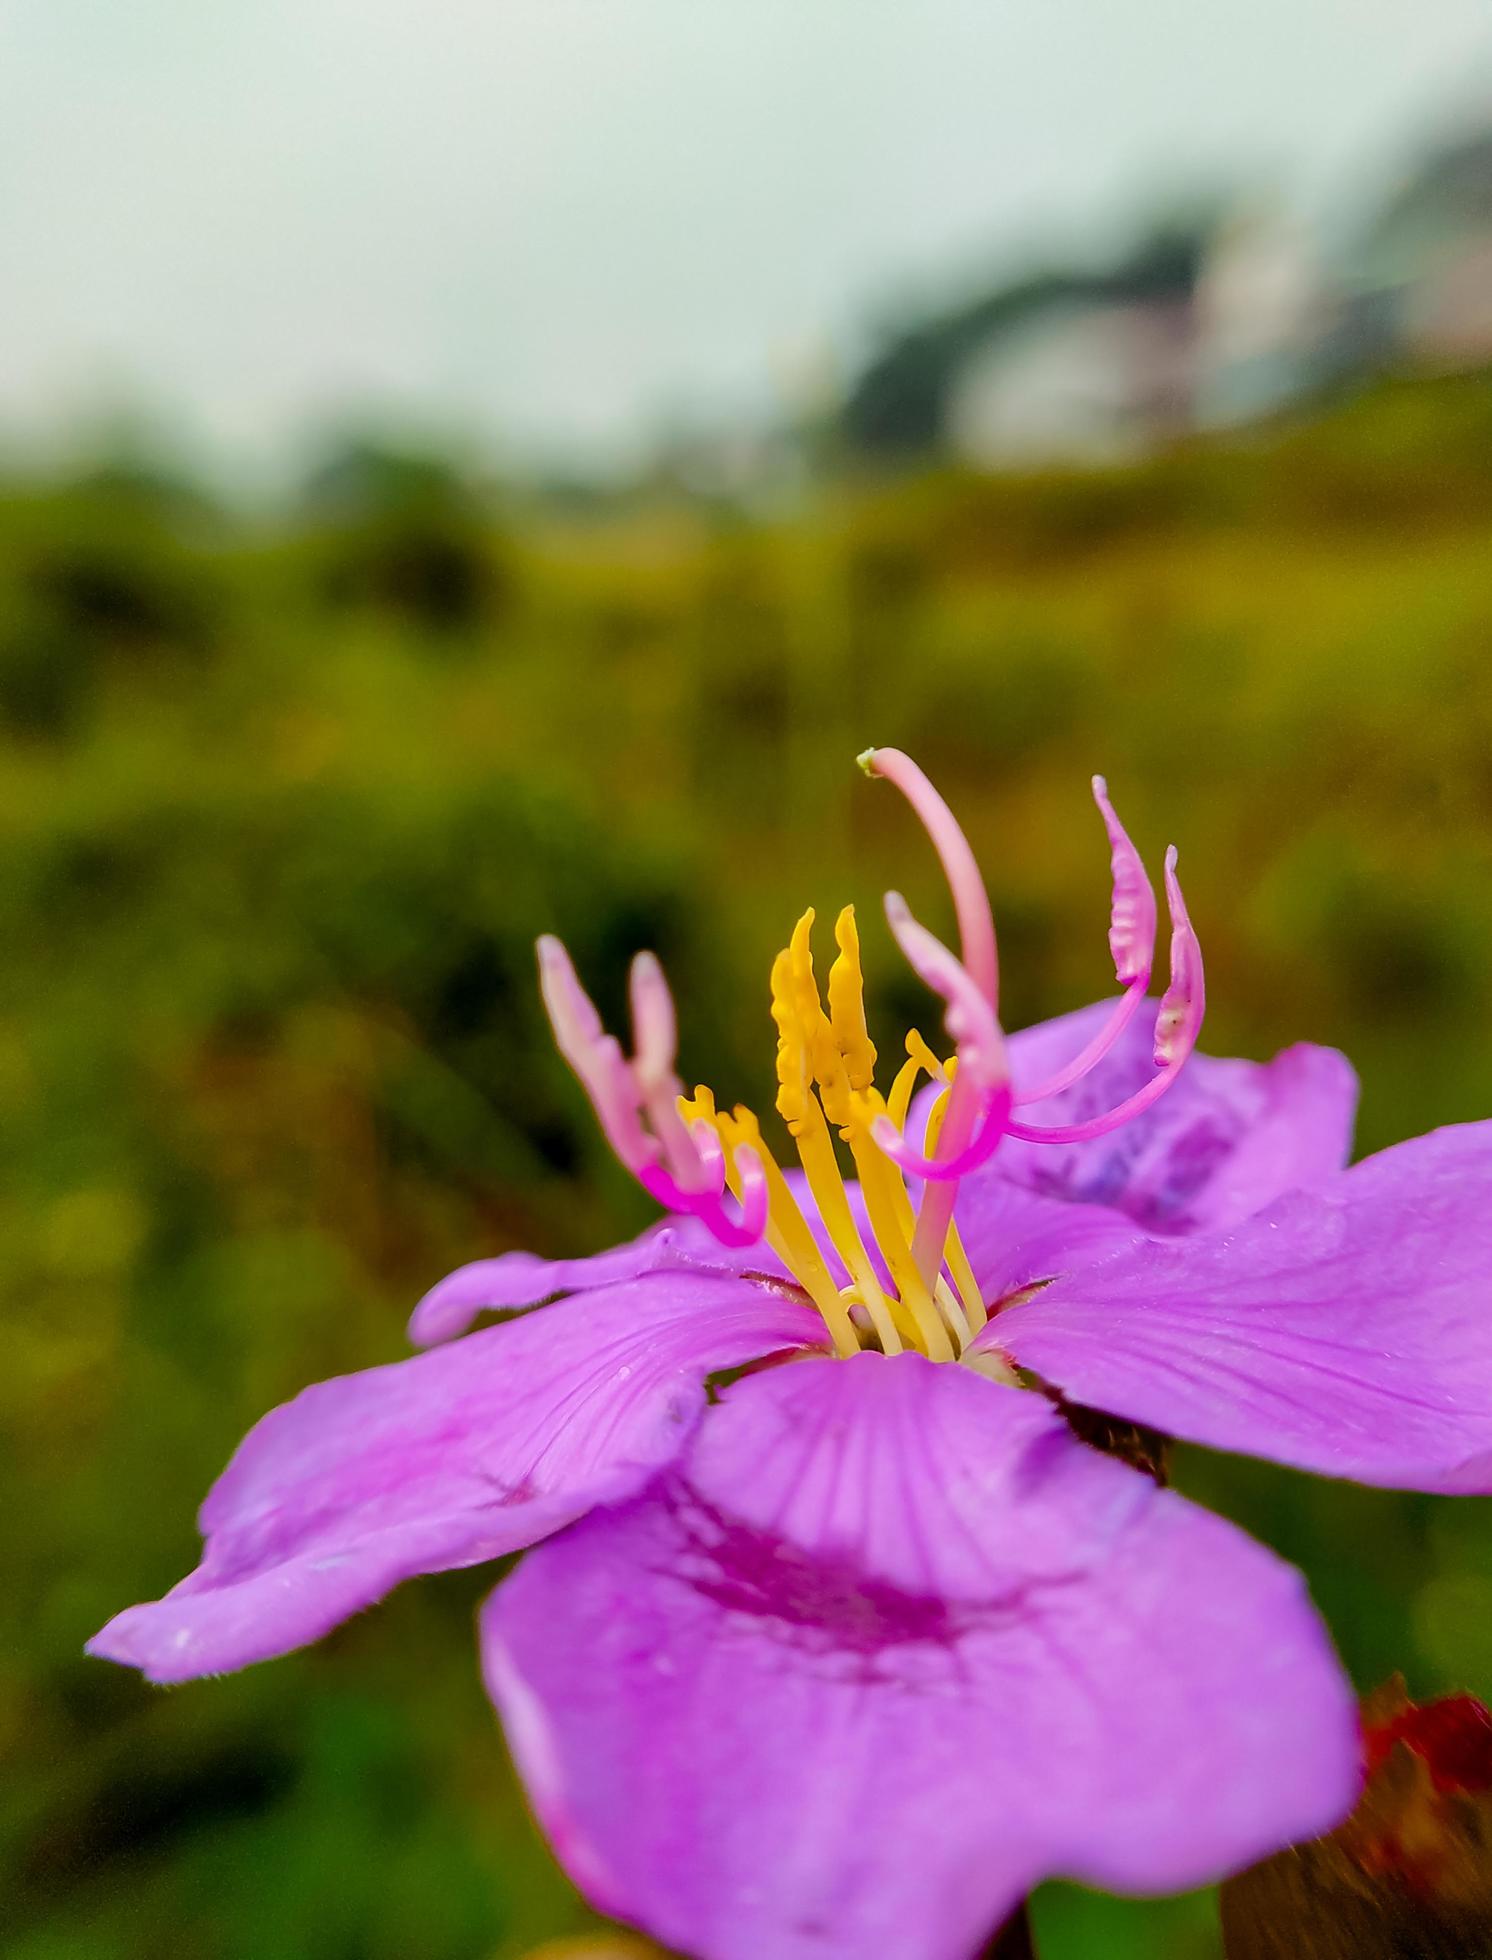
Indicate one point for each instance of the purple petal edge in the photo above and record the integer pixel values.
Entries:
(466, 1453)
(515, 1280)
(1346, 1330)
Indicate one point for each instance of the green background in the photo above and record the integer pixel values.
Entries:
(285, 806)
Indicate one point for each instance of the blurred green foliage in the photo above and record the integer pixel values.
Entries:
(285, 808)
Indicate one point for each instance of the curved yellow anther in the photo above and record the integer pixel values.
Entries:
(826, 1082)
(920, 1053)
(920, 1060)
(891, 1221)
(807, 1056)
(846, 990)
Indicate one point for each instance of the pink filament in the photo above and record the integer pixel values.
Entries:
(1131, 942)
(1177, 1025)
(970, 1017)
(1185, 999)
(1132, 907)
(980, 1097)
(1089, 1057)
(976, 924)
(737, 1226)
(968, 1098)
(944, 1169)
(980, 1101)
(684, 1170)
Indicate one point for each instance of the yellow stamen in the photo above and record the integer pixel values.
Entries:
(847, 1005)
(899, 1102)
(954, 1255)
(808, 1054)
(881, 1184)
(919, 1051)
(826, 1182)
(954, 1313)
(853, 1068)
(957, 1262)
(788, 1231)
(826, 1081)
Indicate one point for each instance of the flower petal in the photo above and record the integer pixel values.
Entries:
(1017, 1238)
(1225, 1140)
(445, 1460)
(523, 1279)
(888, 1647)
(1345, 1330)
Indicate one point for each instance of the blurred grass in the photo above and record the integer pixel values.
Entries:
(286, 806)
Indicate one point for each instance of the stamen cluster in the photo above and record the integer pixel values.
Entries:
(909, 1281)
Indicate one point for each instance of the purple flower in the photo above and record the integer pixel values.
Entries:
(844, 1656)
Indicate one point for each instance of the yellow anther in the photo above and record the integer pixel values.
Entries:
(920, 1053)
(700, 1107)
(920, 1059)
(896, 1223)
(826, 1182)
(881, 1186)
(846, 991)
(826, 1082)
(795, 1058)
(899, 1102)
(787, 1230)
(811, 1048)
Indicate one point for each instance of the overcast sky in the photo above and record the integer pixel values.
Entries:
(554, 219)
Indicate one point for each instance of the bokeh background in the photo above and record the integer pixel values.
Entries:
(468, 471)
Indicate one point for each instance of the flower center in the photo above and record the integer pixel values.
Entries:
(909, 1284)
(826, 1083)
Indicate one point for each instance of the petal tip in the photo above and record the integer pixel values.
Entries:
(120, 1642)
